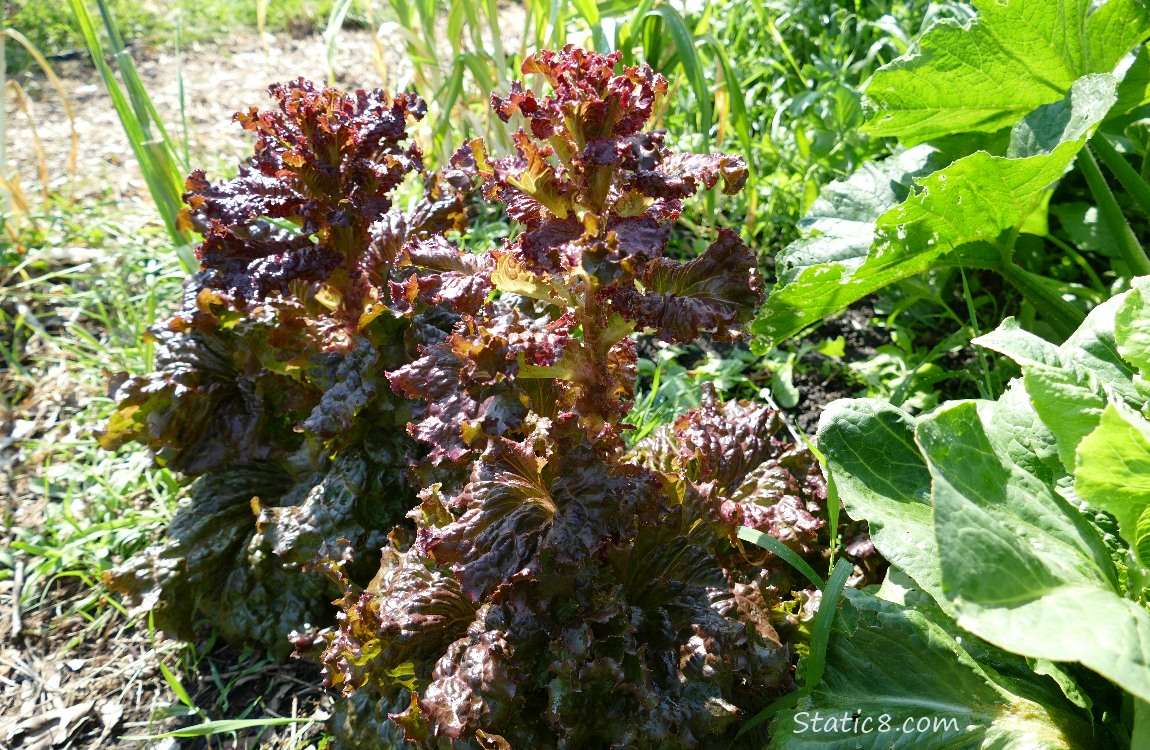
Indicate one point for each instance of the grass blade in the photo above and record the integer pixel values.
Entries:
(688, 57)
(177, 687)
(821, 632)
(735, 96)
(820, 638)
(769, 543)
(331, 35)
(589, 11)
(788, 701)
(50, 73)
(219, 727)
(154, 153)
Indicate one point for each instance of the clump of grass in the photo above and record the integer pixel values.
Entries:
(159, 159)
(67, 321)
(76, 306)
(14, 200)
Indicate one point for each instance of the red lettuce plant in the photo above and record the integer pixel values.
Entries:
(270, 382)
(558, 590)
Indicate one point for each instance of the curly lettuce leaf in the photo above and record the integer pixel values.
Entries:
(238, 546)
(711, 293)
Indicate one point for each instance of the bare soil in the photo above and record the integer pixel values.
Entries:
(218, 79)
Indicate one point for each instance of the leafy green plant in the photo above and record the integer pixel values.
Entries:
(269, 382)
(1009, 515)
(556, 590)
(801, 66)
(986, 139)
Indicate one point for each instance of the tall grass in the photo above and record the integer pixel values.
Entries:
(15, 204)
(5, 202)
(157, 155)
(64, 328)
(802, 67)
(458, 57)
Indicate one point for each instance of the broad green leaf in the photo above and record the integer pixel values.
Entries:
(1134, 91)
(881, 476)
(1066, 396)
(1132, 326)
(1071, 118)
(965, 214)
(890, 661)
(1112, 32)
(1020, 345)
(1068, 402)
(1114, 474)
(840, 224)
(1066, 384)
(1019, 563)
(1084, 227)
(1016, 56)
(1094, 346)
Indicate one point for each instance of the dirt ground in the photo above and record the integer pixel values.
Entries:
(218, 80)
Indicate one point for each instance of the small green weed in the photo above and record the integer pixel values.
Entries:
(68, 321)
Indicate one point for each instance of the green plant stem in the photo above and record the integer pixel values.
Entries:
(1062, 316)
(976, 329)
(154, 150)
(1078, 258)
(1128, 245)
(1125, 173)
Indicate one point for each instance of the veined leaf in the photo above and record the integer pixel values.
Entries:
(1066, 383)
(1132, 327)
(840, 224)
(1010, 553)
(881, 476)
(965, 215)
(1016, 56)
(1114, 473)
(968, 214)
(1018, 561)
(893, 662)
